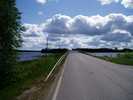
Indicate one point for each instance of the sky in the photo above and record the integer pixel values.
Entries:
(76, 23)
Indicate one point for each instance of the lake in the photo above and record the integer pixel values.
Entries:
(26, 56)
(108, 54)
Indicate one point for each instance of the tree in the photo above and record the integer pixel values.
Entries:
(10, 39)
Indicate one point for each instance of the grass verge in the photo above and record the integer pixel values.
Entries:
(125, 58)
(27, 73)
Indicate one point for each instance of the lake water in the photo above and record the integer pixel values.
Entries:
(111, 54)
(26, 56)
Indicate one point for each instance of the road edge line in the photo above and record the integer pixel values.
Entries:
(61, 58)
(58, 86)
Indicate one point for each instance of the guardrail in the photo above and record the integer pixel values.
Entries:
(58, 62)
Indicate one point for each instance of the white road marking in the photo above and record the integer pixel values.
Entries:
(58, 86)
(55, 67)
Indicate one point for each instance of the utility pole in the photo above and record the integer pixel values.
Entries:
(59, 44)
(46, 44)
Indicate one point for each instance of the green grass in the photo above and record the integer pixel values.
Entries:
(125, 59)
(27, 73)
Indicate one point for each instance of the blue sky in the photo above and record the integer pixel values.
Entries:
(77, 23)
(30, 9)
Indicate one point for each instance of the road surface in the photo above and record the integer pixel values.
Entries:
(89, 78)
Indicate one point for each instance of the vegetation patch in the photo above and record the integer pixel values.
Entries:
(125, 58)
(27, 73)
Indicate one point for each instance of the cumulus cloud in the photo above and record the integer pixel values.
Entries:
(118, 36)
(40, 13)
(42, 1)
(45, 1)
(32, 30)
(105, 2)
(125, 3)
(33, 37)
(81, 31)
(93, 25)
(57, 24)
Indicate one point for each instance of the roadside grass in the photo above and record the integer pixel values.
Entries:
(27, 73)
(125, 58)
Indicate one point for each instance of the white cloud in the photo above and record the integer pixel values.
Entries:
(125, 3)
(32, 30)
(118, 36)
(33, 37)
(45, 1)
(81, 31)
(57, 24)
(105, 2)
(42, 1)
(90, 25)
(40, 13)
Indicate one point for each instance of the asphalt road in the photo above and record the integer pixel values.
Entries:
(88, 78)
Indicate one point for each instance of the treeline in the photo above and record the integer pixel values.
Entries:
(103, 50)
(62, 50)
(27, 50)
(54, 50)
(10, 39)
